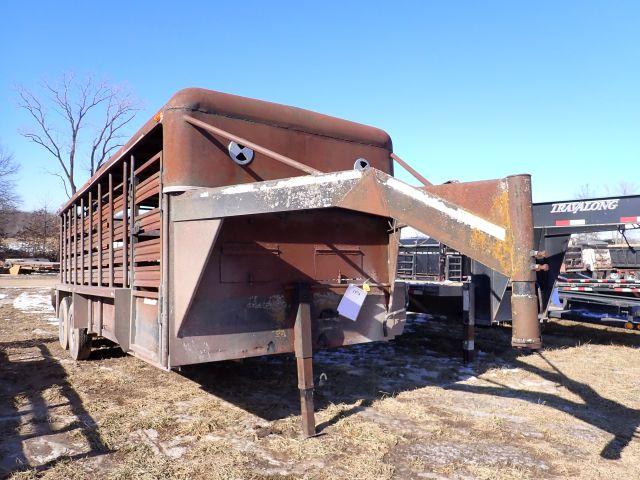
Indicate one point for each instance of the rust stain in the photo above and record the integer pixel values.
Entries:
(502, 251)
(505, 251)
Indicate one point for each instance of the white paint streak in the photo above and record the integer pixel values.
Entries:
(314, 179)
(179, 188)
(302, 181)
(458, 214)
(242, 188)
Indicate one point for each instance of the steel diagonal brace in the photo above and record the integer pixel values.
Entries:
(488, 221)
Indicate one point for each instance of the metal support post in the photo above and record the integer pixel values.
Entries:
(468, 321)
(304, 358)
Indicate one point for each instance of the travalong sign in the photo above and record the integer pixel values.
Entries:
(588, 212)
(586, 206)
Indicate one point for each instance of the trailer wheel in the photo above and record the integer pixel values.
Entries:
(79, 340)
(63, 323)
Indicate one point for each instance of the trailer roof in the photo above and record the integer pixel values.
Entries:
(260, 111)
(252, 110)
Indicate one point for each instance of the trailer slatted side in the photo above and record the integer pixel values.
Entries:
(147, 227)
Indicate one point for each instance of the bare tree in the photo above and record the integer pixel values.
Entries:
(585, 191)
(8, 198)
(72, 110)
(623, 187)
(39, 235)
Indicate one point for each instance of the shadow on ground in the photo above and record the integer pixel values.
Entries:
(41, 414)
(427, 355)
(607, 415)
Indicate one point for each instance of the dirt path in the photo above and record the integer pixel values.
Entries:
(408, 409)
(28, 281)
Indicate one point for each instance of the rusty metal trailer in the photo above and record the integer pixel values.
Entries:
(229, 227)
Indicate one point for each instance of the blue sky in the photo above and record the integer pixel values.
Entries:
(468, 90)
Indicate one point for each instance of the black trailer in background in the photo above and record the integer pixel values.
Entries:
(432, 271)
(437, 278)
(554, 223)
(419, 258)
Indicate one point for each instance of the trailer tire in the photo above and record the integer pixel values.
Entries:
(79, 340)
(63, 323)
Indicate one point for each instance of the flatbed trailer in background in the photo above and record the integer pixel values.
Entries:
(613, 302)
(21, 266)
(229, 227)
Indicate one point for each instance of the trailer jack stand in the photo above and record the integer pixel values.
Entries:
(468, 321)
(304, 359)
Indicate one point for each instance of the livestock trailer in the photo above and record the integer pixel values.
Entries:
(229, 227)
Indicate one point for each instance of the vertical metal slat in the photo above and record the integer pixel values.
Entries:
(100, 234)
(82, 239)
(132, 203)
(111, 215)
(62, 247)
(125, 225)
(75, 243)
(90, 212)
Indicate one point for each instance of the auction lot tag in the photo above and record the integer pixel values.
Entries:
(351, 302)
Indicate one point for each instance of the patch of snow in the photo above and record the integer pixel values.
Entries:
(33, 303)
(42, 449)
(510, 370)
(39, 331)
(173, 448)
(38, 303)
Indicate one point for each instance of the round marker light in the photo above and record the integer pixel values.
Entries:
(361, 164)
(240, 154)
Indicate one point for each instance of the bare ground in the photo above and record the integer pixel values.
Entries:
(406, 409)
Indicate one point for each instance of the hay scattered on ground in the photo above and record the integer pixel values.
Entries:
(407, 409)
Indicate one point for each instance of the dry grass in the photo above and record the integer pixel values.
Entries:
(403, 410)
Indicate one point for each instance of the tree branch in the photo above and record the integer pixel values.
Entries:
(64, 182)
(79, 103)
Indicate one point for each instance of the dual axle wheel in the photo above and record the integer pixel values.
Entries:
(76, 340)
